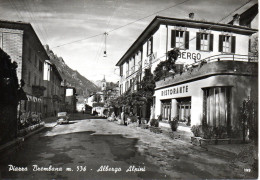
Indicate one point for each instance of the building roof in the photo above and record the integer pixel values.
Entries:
(247, 16)
(160, 20)
(28, 33)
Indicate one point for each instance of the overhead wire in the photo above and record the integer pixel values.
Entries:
(16, 10)
(41, 24)
(33, 19)
(123, 25)
(107, 26)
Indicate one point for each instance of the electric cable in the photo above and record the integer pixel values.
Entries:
(121, 26)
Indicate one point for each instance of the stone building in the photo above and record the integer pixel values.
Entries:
(20, 41)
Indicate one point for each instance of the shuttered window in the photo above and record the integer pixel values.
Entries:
(150, 46)
(180, 39)
(121, 70)
(227, 43)
(204, 41)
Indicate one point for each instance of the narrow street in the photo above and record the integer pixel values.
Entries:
(88, 148)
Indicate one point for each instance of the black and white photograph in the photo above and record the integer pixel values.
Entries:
(129, 89)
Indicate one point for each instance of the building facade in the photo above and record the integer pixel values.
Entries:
(52, 94)
(21, 42)
(215, 69)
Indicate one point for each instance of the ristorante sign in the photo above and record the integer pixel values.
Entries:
(175, 90)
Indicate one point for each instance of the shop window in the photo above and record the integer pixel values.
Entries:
(180, 39)
(227, 43)
(166, 110)
(216, 109)
(184, 111)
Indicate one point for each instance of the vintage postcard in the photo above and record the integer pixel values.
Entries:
(128, 89)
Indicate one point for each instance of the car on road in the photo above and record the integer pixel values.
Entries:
(63, 118)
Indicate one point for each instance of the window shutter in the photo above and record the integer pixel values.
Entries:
(173, 38)
(249, 45)
(187, 39)
(147, 48)
(220, 43)
(211, 42)
(198, 41)
(151, 44)
(233, 44)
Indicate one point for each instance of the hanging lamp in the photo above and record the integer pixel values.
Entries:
(105, 51)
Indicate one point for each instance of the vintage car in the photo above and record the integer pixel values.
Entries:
(63, 117)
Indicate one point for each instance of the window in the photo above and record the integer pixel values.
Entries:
(121, 70)
(184, 109)
(120, 89)
(204, 41)
(29, 78)
(180, 39)
(227, 43)
(40, 66)
(1, 40)
(35, 80)
(216, 106)
(166, 109)
(150, 46)
(29, 54)
(127, 69)
(35, 60)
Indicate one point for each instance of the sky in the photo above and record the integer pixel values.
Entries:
(68, 25)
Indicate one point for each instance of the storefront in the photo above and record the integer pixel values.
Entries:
(209, 93)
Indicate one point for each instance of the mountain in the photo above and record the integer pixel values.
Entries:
(72, 77)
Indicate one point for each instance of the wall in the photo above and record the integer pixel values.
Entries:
(188, 56)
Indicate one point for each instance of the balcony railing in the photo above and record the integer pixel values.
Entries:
(225, 57)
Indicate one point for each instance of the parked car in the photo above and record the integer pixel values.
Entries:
(63, 118)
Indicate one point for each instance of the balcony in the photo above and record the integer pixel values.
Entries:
(214, 65)
(225, 57)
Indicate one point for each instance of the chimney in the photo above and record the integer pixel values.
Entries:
(191, 15)
(236, 19)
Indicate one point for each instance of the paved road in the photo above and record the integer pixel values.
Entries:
(86, 149)
(72, 151)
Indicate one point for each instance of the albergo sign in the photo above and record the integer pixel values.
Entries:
(175, 90)
(189, 55)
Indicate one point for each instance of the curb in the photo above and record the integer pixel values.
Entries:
(18, 140)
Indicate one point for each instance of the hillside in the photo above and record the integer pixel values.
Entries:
(71, 77)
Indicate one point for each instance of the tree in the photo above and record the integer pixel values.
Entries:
(254, 46)
(163, 68)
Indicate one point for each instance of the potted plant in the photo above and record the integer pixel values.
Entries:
(154, 122)
(174, 123)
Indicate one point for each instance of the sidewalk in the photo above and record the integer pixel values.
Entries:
(233, 151)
